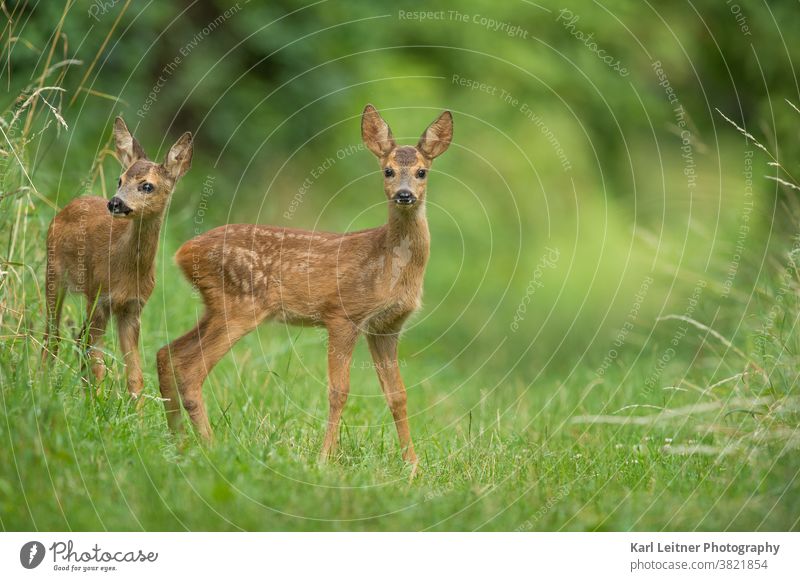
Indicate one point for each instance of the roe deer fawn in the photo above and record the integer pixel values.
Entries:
(359, 282)
(106, 249)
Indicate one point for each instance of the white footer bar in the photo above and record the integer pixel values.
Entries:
(401, 556)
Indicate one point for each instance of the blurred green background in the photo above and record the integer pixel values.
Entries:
(591, 188)
(553, 147)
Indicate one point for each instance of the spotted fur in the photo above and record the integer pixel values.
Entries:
(367, 282)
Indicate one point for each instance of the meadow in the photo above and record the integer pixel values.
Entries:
(609, 333)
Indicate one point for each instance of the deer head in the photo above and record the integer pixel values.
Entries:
(144, 188)
(405, 168)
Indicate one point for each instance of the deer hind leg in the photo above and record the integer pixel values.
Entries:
(342, 337)
(168, 383)
(128, 317)
(384, 354)
(97, 315)
(184, 364)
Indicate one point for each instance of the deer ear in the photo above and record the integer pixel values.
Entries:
(179, 157)
(128, 149)
(376, 133)
(437, 137)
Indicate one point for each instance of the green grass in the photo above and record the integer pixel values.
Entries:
(495, 455)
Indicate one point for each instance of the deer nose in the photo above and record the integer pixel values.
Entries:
(404, 197)
(117, 206)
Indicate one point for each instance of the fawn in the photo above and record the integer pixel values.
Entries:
(106, 249)
(359, 282)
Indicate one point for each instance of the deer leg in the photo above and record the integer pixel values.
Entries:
(384, 354)
(54, 301)
(341, 343)
(128, 324)
(94, 329)
(168, 382)
(184, 364)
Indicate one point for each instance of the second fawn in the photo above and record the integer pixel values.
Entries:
(361, 282)
(106, 249)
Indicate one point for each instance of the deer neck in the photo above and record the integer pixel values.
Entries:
(408, 241)
(140, 243)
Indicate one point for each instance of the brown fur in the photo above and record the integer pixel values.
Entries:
(405, 156)
(361, 282)
(111, 260)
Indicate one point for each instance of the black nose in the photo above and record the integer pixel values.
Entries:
(117, 206)
(404, 197)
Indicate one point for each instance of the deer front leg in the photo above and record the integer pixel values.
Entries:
(128, 318)
(94, 329)
(384, 354)
(342, 337)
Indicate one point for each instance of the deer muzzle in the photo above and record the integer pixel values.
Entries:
(117, 207)
(404, 198)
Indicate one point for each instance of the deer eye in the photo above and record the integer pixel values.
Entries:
(388, 172)
(147, 187)
(421, 173)
(119, 183)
